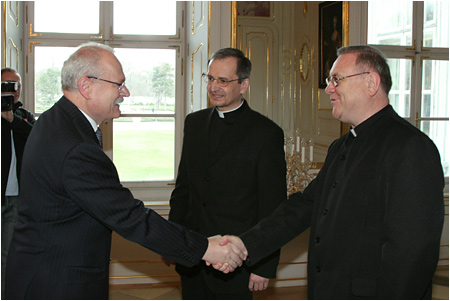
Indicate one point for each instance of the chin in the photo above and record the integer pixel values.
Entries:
(336, 114)
(117, 112)
(216, 103)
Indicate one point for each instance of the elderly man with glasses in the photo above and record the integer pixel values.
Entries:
(232, 174)
(72, 199)
(376, 208)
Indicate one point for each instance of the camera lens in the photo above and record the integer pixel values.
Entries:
(10, 86)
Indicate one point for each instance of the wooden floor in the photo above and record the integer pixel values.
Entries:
(146, 292)
(282, 293)
(151, 292)
(172, 291)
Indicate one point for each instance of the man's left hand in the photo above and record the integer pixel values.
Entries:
(8, 115)
(257, 283)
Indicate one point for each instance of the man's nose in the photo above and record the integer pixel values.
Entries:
(125, 92)
(330, 88)
(214, 85)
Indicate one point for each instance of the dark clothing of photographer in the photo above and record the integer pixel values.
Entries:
(14, 136)
(20, 128)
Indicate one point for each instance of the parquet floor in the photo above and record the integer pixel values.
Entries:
(173, 291)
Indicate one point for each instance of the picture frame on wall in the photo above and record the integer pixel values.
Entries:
(253, 8)
(333, 34)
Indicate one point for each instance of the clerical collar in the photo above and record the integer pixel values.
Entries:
(371, 121)
(91, 121)
(222, 113)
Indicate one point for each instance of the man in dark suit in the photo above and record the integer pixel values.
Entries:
(71, 198)
(376, 208)
(231, 175)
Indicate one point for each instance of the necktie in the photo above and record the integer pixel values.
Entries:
(98, 133)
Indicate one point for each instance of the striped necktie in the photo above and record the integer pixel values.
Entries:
(98, 133)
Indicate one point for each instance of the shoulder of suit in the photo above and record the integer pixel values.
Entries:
(200, 113)
(262, 120)
(199, 116)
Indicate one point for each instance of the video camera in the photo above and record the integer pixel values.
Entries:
(8, 99)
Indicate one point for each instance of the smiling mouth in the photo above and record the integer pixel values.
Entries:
(216, 96)
(118, 101)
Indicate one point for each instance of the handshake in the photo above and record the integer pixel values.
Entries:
(224, 253)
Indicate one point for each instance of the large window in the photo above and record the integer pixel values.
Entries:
(149, 43)
(415, 37)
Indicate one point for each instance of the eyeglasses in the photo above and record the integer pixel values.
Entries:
(335, 80)
(220, 81)
(121, 85)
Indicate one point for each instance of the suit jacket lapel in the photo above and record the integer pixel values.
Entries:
(80, 122)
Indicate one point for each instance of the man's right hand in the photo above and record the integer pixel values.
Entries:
(228, 255)
(235, 243)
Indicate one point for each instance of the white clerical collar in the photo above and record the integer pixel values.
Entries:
(91, 121)
(222, 113)
(352, 130)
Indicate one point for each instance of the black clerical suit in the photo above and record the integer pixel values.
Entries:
(376, 213)
(71, 200)
(231, 175)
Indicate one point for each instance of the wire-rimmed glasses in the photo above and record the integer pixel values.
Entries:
(335, 80)
(121, 85)
(221, 82)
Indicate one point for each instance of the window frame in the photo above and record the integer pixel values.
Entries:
(415, 52)
(147, 191)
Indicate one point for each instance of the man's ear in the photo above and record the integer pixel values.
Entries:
(374, 83)
(84, 87)
(244, 85)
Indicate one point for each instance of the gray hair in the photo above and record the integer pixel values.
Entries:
(370, 57)
(83, 62)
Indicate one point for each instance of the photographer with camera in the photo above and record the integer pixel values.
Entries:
(16, 126)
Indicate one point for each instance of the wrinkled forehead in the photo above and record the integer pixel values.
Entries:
(111, 65)
(227, 66)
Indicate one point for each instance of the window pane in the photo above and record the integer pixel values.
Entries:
(435, 89)
(54, 16)
(435, 24)
(438, 131)
(145, 17)
(144, 148)
(150, 78)
(400, 94)
(47, 72)
(390, 23)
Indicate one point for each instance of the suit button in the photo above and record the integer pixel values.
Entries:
(325, 212)
(203, 204)
(318, 269)
(342, 157)
(317, 240)
(207, 178)
(335, 184)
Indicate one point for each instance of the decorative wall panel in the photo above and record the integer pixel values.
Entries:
(12, 24)
(198, 51)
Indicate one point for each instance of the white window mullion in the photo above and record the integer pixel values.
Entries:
(50, 49)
